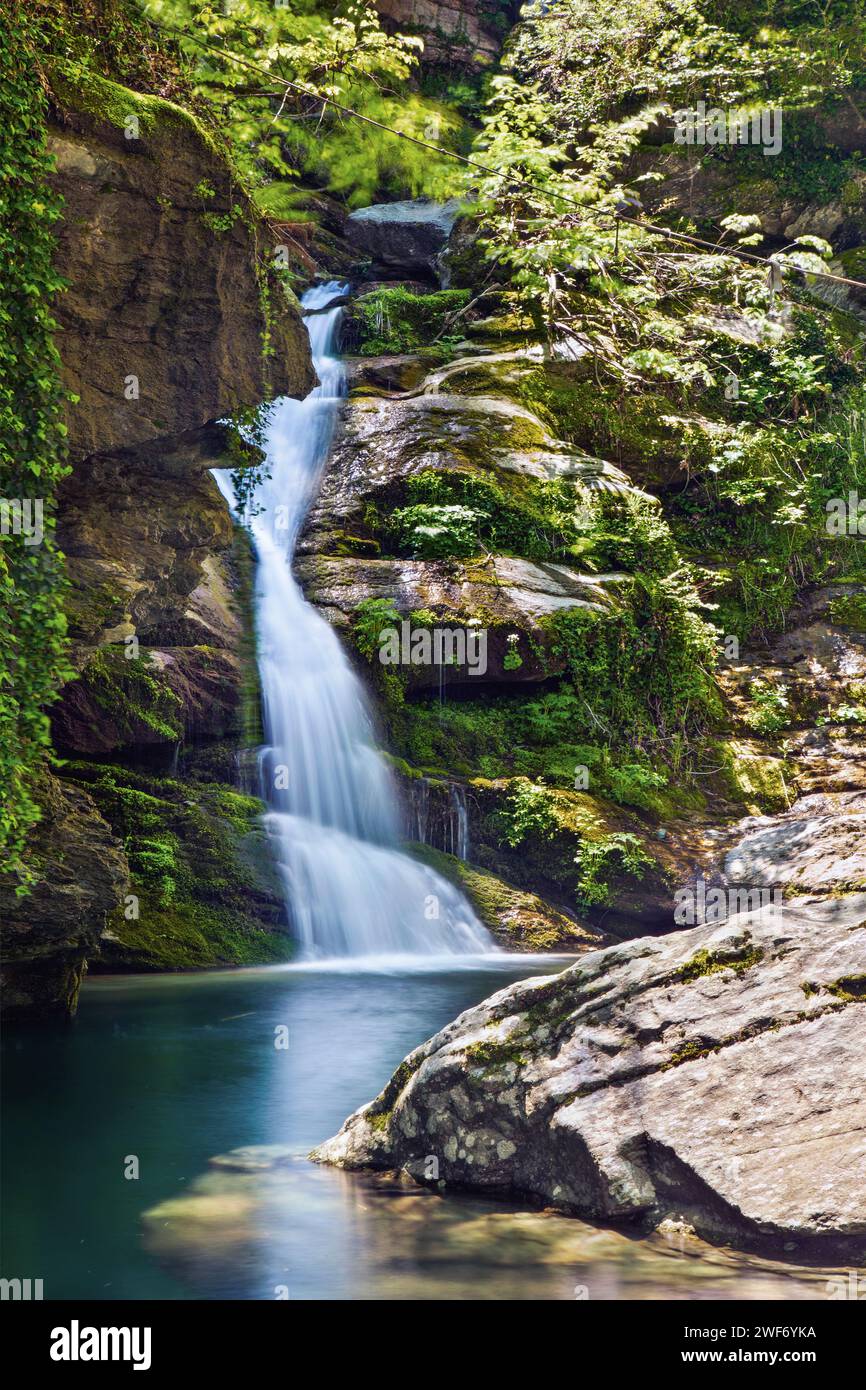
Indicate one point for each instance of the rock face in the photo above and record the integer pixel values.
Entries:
(153, 557)
(716, 1075)
(162, 332)
(161, 264)
(410, 235)
(384, 442)
(455, 32)
(81, 877)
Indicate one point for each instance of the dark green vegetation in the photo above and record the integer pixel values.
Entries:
(32, 627)
(202, 890)
(397, 320)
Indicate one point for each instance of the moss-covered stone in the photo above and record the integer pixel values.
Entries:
(751, 775)
(520, 921)
(203, 891)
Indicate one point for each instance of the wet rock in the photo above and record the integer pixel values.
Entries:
(397, 372)
(161, 333)
(714, 1076)
(382, 443)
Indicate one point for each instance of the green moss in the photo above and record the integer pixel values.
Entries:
(200, 876)
(492, 1054)
(89, 612)
(398, 320)
(759, 781)
(850, 611)
(715, 962)
(516, 918)
(689, 1052)
(460, 512)
(79, 88)
(133, 694)
(850, 988)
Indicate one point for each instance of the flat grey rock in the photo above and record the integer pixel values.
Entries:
(715, 1076)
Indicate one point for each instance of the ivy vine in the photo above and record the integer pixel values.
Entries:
(32, 437)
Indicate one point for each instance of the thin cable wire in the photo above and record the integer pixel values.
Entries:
(667, 232)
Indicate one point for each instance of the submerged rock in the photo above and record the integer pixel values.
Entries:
(716, 1076)
(381, 1236)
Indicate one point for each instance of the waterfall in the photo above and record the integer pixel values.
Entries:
(333, 818)
(435, 823)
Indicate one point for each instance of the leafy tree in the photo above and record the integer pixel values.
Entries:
(334, 54)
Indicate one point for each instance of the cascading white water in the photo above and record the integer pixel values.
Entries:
(334, 821)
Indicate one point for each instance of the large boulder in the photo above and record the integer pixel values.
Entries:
(716, 1076)
(409, 236)
(499, 605)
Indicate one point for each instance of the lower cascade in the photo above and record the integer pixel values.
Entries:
(334, 818)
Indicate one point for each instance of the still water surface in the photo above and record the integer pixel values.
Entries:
(181, 1071)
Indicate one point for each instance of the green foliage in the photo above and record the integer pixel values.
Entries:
(470, 513)
(434, 531)
(340, 53)
(247, 457)
(527, 813)
(132, 693)
(370, 617)
(769, 712)
(645, 673)
(197, 856)
(604, 861)
(396, 320)
(32, 433)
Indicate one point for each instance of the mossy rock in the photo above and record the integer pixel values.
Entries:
(203, 889)
(519, 920)
(80, 89)
(758, 780)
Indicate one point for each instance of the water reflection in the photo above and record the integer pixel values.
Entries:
(265, 1224)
